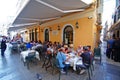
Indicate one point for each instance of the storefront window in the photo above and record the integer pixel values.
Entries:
(32, 35)
(36, 34)
(118, 34)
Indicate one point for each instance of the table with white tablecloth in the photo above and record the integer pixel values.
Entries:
(24, 54)
(74, 60)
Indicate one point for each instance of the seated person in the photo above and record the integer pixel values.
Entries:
(89, 49)
(62, 59)
(49, 56)
(65, 50)
(39, 45)
(22, 47)
(79, 49)
(85, 59)
(71, 49)
(58, 45)
(50, 49)
(28, 45)
(91, 53)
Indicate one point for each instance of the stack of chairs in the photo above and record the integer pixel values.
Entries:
(97, 53)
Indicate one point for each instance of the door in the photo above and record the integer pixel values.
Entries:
(46, 35)
(68, 35)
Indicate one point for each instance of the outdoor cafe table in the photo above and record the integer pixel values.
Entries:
(74, 60)
(24, 54)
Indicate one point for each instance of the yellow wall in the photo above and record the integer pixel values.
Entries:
(86, 34)
(81, 36)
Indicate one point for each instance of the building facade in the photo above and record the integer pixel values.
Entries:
(78, 28)
(114, 30)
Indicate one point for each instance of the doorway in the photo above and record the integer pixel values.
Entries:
(68, 35)
(46, 35)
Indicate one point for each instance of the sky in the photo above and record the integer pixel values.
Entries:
(7, 9)
(108, 10)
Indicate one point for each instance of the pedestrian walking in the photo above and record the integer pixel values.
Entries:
(109, 51)
(3, 46)
(116, 48)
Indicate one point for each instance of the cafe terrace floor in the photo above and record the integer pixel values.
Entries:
(12, 68)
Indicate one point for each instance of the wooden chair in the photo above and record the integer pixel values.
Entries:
(86, 67)
(56, 65)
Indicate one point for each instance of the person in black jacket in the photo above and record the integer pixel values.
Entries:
(116, 49)
(3, 46)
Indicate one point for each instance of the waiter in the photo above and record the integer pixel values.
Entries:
(3, 46)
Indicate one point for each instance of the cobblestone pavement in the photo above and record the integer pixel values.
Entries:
(12, 68)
